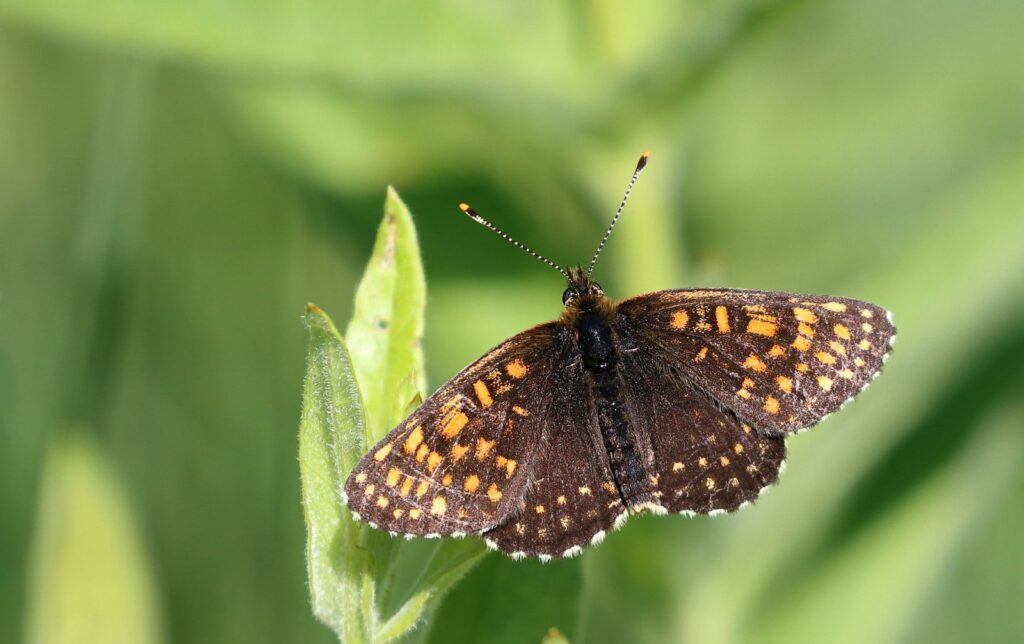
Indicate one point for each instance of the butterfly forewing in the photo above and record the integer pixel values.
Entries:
(571, 500)
(461, 461)
(703, 459)
(780, 362)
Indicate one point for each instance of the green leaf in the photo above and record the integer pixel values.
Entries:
(330, 443)
(90, 576)
(352, 568)
(452, 559)
(386, 330)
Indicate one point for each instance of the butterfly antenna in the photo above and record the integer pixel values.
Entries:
(618, 213)
(483, 222)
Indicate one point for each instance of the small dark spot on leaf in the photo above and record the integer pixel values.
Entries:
(388, 256)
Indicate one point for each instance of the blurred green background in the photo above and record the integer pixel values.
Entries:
(178, 178)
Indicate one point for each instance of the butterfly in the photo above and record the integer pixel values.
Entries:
(677, 401)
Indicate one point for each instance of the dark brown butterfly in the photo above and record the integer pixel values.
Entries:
(675, 401)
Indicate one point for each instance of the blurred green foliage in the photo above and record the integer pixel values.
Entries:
(180, 178)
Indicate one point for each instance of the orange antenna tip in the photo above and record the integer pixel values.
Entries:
(464, 207)
(643, 160)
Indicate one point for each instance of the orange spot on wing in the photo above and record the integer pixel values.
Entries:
(679, 320)
(393, 476)
(755, 363)
(701, 354)
(439, 505)
(421, 489)
(722, 319)
(804, 315)
(771, 405)
(841, 331)
(493, 493)
(762, 326)
(472, 483)
(519, 410)
(482, 394)
(824, 382)
(785, 383)
(837, 307)
(433, 461)
(458, 451)
(800, 343)
(776, 351)
(406, 486)
(413, 440)
(421, 452)
(382, 453)
(516, 369)
(507, 464)
(805, 329)
(483, 446)
(825, 357)
(453, 423)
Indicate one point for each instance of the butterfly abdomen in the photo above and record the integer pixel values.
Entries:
(599, 351)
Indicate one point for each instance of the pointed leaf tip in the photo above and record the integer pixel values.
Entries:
(386, 330)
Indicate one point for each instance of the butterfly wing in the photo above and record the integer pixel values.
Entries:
(780, 362)
(571, 501)
(460, 463)
(702, 459)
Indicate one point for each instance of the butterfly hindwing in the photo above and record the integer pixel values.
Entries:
(780, 362)
(461, 461)
(703, 460)
(571, 500)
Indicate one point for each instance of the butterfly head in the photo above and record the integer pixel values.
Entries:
(583, 293)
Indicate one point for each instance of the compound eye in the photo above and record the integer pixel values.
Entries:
(567, 296)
